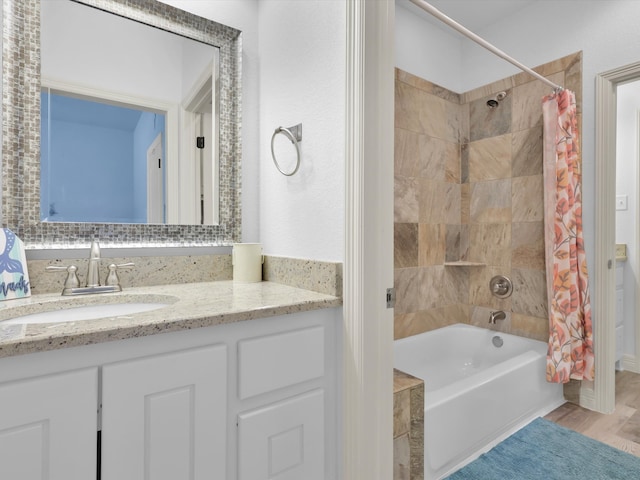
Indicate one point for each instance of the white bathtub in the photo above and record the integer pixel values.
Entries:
(476, 394)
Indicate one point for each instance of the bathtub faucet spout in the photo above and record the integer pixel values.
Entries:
(495, 316)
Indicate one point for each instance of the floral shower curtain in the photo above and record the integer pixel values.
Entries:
(570, 352)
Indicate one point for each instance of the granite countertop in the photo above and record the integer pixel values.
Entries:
(191, 305)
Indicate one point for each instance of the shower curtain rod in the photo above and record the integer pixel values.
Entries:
(427, 7)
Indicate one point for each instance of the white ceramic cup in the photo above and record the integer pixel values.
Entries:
(247, 262)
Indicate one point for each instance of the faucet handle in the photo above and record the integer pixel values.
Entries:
(72, 277)
(112, 277)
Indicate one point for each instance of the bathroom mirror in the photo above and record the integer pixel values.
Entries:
(127, 110)
(22, 84)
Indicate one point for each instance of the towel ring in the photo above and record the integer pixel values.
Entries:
(295, 135)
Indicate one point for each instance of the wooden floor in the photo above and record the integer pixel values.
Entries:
(621, 429)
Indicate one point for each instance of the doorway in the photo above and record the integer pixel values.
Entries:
(601, 395)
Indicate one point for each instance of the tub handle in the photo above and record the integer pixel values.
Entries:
(501, 286)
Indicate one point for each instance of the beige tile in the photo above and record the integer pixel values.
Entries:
(406, 325)
(407, 107)
(527, 199)
(490, 243)
(401, 413)
(452, 243)
(527, 245)
(463, 130)
(454, 117)
(407, 285)
(432, 244)
(464, 163)
(490, 158)
(416, 435)
(439, 202)
(529, 292)
(452, 168)
(457, 243)
(406, 153)
(489, 122)
(490, 202)
(406, 200)
(465, 236)
(479, 291)
(530, 327)
(426, 86)
(433, 291)
(527, 101)
(527, 152)
(421, 112)
(401, 458)
(405, 245)
(573, 80)
(433, 158)
(480, 318)
(404, 381)
(465, 203)
(420, 288)
(456, 286)
(487, 90)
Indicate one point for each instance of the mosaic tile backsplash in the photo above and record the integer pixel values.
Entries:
(468, 186)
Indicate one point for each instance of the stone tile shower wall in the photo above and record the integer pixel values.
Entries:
(468, 187)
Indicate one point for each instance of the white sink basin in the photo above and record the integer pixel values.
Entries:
(88, 312)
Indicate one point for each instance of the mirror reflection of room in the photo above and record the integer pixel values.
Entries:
(100, 162)
(119, 121)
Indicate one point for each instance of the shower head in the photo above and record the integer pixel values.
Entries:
(493, 102)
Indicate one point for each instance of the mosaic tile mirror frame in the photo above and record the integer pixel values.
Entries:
(21, 132)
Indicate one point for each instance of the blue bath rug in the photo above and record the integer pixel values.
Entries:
(544, 450)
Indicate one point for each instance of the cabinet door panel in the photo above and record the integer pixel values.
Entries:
(164, 417)
(48, 427)
(283, 441)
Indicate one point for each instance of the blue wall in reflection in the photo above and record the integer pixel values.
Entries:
(90, 155)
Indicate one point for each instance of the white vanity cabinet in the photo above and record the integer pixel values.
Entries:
(48, 427)
(164, 417)
(253, 400)
(283, 435)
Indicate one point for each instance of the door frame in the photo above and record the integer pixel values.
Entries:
(368, 267)
(152, 184)
(600, 396)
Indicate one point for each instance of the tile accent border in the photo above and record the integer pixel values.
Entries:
(21, 132)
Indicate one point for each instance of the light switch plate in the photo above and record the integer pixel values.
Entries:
(621, 202)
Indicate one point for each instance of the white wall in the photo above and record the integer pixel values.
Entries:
(302, 80)
(605, 30)
(431, 53)
(627, 129)
(294, 75)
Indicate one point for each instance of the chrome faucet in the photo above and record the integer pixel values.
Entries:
(93, 271)
(92, 283)
(495, 316)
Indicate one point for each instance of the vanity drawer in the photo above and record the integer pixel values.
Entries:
(281, 360)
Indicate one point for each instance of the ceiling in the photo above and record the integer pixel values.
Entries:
(472, 14)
